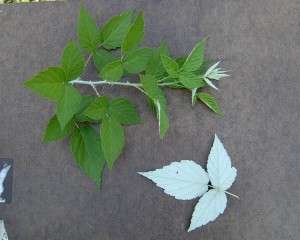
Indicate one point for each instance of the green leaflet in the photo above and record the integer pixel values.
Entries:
(88, 32)
(113, 139)
(98, 108)
(210, 101)
(190, 80)
(49, 83)
(53, 131)
(112, 71)
(204, 65)
(170, 65)
(195, 59)
(87, 150)
(123, 111)
(86, 100)
(102, 58)
(155, 66)
(136, 61)
(134, 35)
(68, 105)
(72, 61)
(157, 96)
(115, 30)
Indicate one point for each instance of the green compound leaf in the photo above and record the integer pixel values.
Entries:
(137, 61)
(170, 65)
(112, 71)
(49, 83)
(87, 150)
(134, 35)
(190, 80)
(98, 108)
(72, 61)
(68, 105)
(195, 59)
(124, 111)
(210, 101)
(113, 139)
(88, 32)
(158, 99)
(102, 58)
(53, 131)
(115, 30)
(155, 66)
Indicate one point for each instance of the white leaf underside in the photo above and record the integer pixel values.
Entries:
(209, 207)
(184, 180)
(220, 172)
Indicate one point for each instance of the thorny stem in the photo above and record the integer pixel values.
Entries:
(104, 82)
(229, 193)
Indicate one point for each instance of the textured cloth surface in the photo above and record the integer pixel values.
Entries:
(259, 42)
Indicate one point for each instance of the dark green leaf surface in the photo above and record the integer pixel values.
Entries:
(72, 61)
(86, 100)
(210, 101)
(195, 59)
(53, 131)
(102, 58)
(113, 139)
(136, 61)
(115, 30)
(68, 105)
(124, 111)
(170, 65)
(190, 80)
(87, 150)
(49, 83)
(112, 71)
(155, 66)
(203, 67)
(88, 32)
(98, 108)
(134, 35)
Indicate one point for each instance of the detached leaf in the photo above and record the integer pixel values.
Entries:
(112, 71)
(87, 150)
(209, 207)
(183, 180)
(98, 108)
(155, 66)
(68, 105)
(53, 131)
(49, 83)
(88, 32)
(136, 61)
(124, 111)
(195, 59)
(170, 65)
(187, 180)
(72, 61)
(102, 58)
(115, 30)
(210, 101)
(134, 35)
(190, 80)
(113, 140)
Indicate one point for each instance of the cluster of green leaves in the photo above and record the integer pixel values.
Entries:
(77, 113)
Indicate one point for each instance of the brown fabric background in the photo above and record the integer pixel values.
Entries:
(259, 43)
